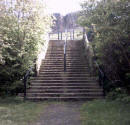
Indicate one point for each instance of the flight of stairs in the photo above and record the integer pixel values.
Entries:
(53, 83)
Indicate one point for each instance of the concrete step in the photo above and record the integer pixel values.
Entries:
(64, 81)
(62, 90)
(62, 58)
(67, 71)
(53, 83)
(62, 73)
(63, 77)
(67, 60)
(58, 62)
(62, 54)
(62, 67)
(65, 87)
(64, 94)
(62, 49)
(77, 98)
(63, 84)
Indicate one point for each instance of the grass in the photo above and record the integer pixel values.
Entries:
(14, 111)
(103, 112)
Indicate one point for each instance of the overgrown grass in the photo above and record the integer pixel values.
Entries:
(103, 112)
(14, 111)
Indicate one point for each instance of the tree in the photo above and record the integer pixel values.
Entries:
(24, 24)
(111, 37)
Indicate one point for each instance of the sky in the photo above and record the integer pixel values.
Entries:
(63, 6)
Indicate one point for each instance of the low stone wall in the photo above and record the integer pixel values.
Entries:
(41, 55)
(89, 53)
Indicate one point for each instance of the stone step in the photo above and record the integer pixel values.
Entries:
(61, 48)
(67, 66)
(62, 60)
(77, 98)
(62, 64)
(61, 73)
(62, 54)
(53, 83)
(59, 64)
(69, 57)
(58, 74)
(68, 50)
(64, 81)
(65, 87)
(63, 84)
(63, 77)
(67, 71)
(62, 69)
(62, 90)
(64, 94)
(33, 90)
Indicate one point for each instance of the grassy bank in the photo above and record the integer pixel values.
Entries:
(102, 112)
(14, 111)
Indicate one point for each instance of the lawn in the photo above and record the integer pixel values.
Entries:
(103, 112)
(14, 111)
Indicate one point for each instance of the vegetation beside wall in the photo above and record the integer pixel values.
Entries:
(104, 112)
(24, 26)
(16, 112)
(108, 28)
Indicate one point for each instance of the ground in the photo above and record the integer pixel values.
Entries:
(14, 111)
(66, 113)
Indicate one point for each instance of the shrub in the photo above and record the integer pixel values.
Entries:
(24, 25)
(111, 22)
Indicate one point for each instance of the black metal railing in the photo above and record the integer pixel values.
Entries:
(101, 74)
(25, 79)
(103, 79)
(65, 46)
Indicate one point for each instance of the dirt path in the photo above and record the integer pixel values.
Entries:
(66, 113)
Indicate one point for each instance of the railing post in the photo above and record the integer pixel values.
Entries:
(25, 82)
(58, 35)
(64, 62)
(25, 87)
(61, 35)
(73, 34)
(65, 55)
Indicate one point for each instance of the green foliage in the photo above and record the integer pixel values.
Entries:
(111, 28)
(104, 112)
(24, 25)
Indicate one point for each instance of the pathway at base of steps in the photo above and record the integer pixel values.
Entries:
(66, 113)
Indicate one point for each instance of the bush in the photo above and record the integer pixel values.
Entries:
(111, 22)
(24, 25)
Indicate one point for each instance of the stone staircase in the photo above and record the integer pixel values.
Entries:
(53, 83)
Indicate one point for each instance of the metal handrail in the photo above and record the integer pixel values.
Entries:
(65, 45)
(101, 74)
(25, 79)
